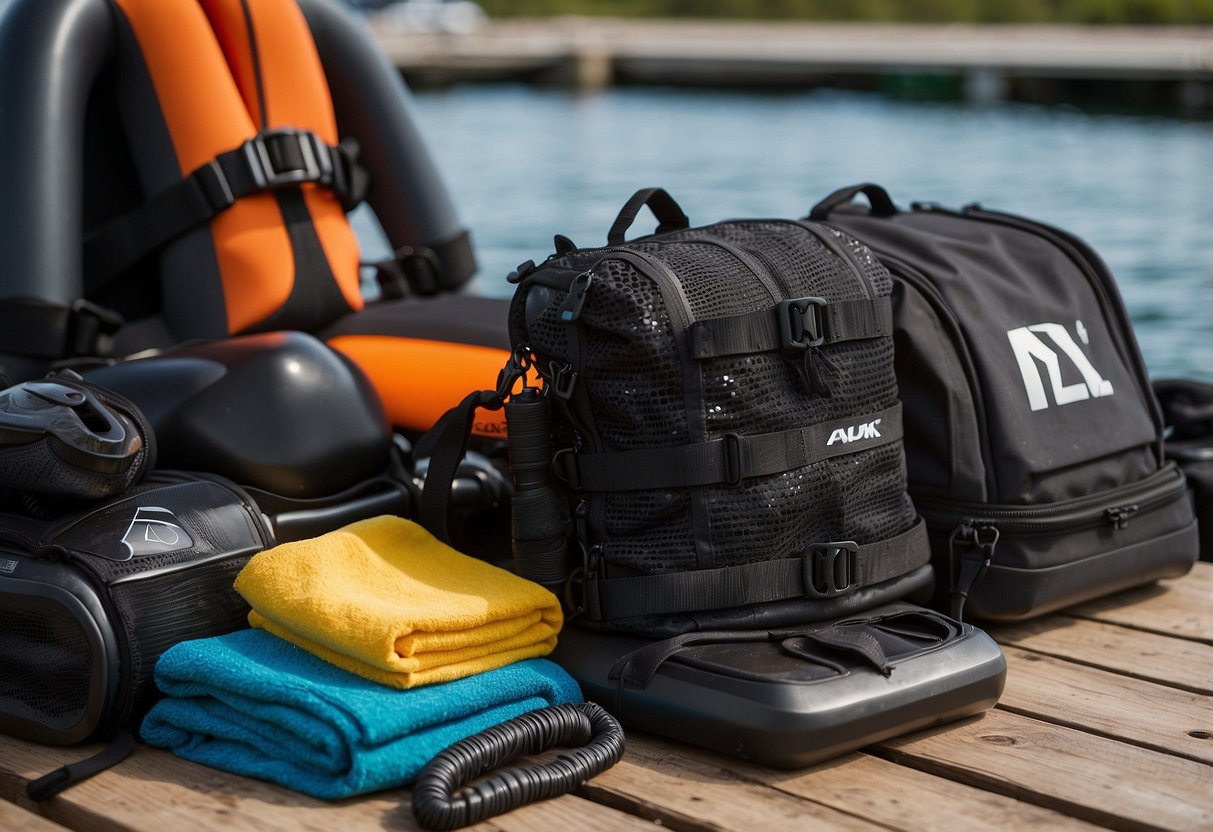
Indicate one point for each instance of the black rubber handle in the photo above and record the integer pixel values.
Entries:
(882, 203)
(598, 735)
(669, 214)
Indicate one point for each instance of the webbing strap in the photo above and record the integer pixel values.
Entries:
(792, 325)
(49, 785)
(270, 160)
(825, 570)
(727, 460)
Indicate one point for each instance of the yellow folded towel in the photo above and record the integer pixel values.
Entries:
(385, 599)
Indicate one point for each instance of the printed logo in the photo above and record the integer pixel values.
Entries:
(8, 566)
(1029, 349)
(855, 432)
(154, 531)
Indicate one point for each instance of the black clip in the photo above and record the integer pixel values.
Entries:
(733, 473)
(801, 325)
(278, 158)
(831, 569)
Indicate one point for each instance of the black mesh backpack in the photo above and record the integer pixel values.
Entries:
(707, 434)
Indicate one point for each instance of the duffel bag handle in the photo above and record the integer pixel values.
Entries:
(669, 214)
(882, 203)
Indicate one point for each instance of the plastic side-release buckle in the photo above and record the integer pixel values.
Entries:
(831, 569)
(801, 325)
(279, 158)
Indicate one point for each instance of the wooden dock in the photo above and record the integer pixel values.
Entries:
(1106, 722)
(987, 62)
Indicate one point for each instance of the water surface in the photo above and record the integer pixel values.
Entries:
(523, 164)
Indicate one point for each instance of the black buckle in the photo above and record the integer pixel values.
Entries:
(91, 328)
(733, 474)
(831, 569)
(284, 157)
(801, 325)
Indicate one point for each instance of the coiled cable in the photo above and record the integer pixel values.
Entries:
(598, 737)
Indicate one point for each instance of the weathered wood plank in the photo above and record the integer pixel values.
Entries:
(877, 790)
(684, 789)
(1100, 780)
(16, 819)
(1177, 662)
(1180, 607)
(154, 791)
(1099, 701)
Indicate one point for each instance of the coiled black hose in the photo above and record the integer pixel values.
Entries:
(436, 805)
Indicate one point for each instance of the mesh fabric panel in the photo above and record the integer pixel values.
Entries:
(162, 610)
(44, 663)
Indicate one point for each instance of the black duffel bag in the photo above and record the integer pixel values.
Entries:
(716, 442)
(1033, 441)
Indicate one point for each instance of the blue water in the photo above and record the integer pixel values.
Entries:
(523, 164)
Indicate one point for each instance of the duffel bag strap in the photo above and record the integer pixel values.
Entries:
(882, 204)
(825, 570)
(728, 460)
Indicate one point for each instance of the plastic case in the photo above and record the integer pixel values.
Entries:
(790, 698)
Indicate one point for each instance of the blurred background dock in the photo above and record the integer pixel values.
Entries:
(1037, 63)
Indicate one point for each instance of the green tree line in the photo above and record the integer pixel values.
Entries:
(895, 11)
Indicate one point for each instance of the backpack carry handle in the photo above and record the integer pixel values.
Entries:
(669, 214)
(882, 203)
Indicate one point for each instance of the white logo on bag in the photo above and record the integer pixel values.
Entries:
(1029, 349)
(855, 432)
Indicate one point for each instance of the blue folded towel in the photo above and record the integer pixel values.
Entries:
(253, 704)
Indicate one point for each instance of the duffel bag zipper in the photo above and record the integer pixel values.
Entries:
(1115, 507)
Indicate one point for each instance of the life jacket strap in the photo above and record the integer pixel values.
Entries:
(271, 160)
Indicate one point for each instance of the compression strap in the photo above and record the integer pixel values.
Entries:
(728, 460)
(824, 570)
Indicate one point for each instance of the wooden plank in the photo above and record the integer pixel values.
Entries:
(1177, 662)
(1143, 713)
(15, 818)
(684, 789)
(878, 790)
(154, 791)
(1100, 780)
(1180, 607)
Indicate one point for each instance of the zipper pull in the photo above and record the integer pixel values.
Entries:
(570, 310)
(970, 551)
(1119, 516)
